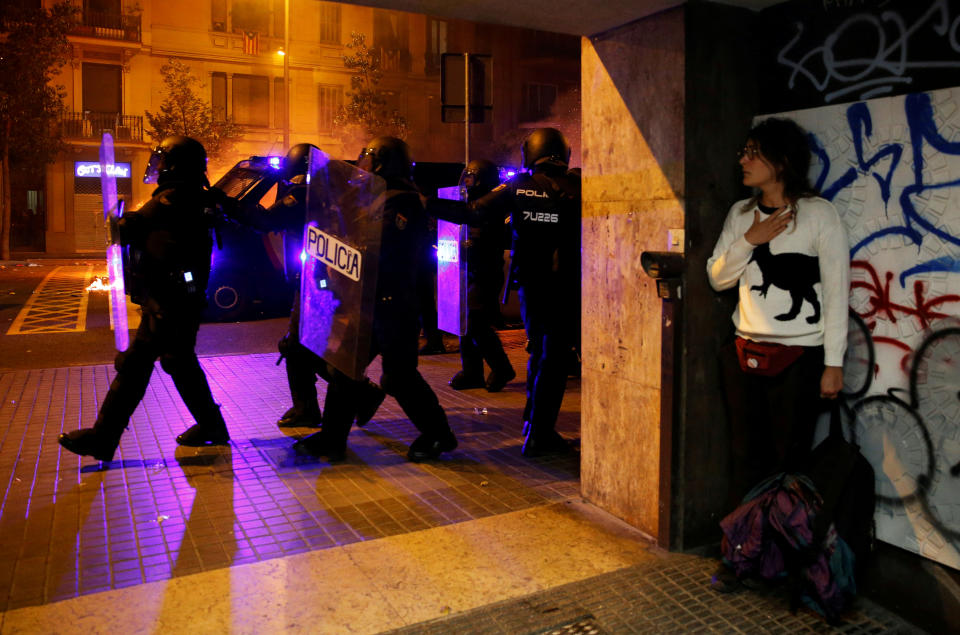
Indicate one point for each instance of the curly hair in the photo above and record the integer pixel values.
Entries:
(784, 145)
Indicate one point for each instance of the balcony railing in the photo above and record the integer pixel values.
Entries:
(90, 125)
(109, 26)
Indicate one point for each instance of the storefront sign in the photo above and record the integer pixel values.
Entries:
(92, 169)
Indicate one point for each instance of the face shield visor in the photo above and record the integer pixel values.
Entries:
(152, 173)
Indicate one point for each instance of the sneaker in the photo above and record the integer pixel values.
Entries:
(85, 442)
(497, 380)
(294, 418)
(198, 436)
(427, 447)
(316, 445)
(462, 381)
(370, 399)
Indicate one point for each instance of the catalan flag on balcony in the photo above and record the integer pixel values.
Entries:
(251, 42)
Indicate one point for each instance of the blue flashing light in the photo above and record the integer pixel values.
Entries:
(274, 162)
(303, 256)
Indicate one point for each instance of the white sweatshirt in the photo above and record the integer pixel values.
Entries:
(806, 265)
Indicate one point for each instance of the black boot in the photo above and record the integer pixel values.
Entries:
(213, 431)
(430, 447)
(294, 418)
(496, 380)
(317, 445)
(549, 442)
(462, 381)
(371, 396)
(86, 442)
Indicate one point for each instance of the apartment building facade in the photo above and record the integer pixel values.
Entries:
(233, 46)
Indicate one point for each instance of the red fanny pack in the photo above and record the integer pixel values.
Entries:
(766, 358)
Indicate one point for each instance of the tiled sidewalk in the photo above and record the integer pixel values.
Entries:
(69, 528)
(234, 515)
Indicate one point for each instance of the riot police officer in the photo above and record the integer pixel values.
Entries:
(484, 279)
(288, 214)
(170, 245)
(395, 330)
(544, 207)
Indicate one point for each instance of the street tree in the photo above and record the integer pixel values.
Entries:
(33, 48)
(184, 112)
(365, 114)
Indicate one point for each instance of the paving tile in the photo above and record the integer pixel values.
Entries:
(70, 526)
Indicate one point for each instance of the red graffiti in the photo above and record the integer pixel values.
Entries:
(924, 310)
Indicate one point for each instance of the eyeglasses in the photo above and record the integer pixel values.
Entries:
(751, 152)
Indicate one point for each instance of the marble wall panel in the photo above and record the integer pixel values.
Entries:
(620, 449)
(633, 184)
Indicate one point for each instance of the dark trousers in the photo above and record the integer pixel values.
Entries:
(481, 343)
(303, 366)
(550, 335)
(395, 339)
(171, 337)
(772, 419)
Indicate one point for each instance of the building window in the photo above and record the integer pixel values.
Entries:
(218, 15)
(279, 103)
(330, 22)
(278, 18)
(537, 101)
(102, 88)
(436, 44)
(251, 100)
(218, 96)
(251, 15)
(391, 34)
(329, 100)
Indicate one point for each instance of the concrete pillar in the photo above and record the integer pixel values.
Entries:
(633, 104)
(666, 102)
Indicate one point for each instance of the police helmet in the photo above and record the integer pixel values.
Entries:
(388, 157)
(180, 156)
(479, 177)
(297, 160)
(545, 144)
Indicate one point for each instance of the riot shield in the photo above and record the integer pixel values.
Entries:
(112, 210)
(451, 277)
(341, 253)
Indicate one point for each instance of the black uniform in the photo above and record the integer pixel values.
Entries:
(170, 243)
(484, 280)
(545, 219)
(288, 215)
(395, 338)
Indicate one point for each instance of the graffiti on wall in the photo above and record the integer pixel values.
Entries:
(895, 47)
(892, 168)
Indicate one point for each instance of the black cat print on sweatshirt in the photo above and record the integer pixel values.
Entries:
(794, 273)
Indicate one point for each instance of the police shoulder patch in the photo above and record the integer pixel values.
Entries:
(401, 221)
